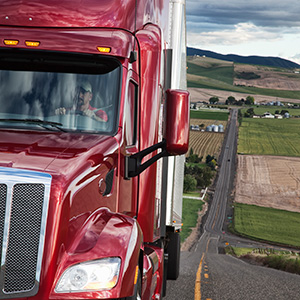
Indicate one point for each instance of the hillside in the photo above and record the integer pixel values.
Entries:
(213, 74)
(253, 60)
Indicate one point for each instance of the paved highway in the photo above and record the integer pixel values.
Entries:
(206, 273)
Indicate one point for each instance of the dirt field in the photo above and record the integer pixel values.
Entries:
(270, 181)
(270, 78)
(198, 94)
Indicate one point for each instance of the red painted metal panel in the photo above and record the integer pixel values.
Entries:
(150, 41)
(87, 13)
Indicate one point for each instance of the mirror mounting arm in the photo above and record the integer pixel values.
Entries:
(134, 165)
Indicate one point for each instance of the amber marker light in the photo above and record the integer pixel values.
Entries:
(11, 42)
(104, 49)
(32, 44)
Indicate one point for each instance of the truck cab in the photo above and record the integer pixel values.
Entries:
(85, 118)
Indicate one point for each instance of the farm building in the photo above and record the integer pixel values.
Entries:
(268, 115)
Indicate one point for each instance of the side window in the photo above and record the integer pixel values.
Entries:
(131, 114)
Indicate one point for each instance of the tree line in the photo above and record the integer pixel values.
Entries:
(196, 175)
(232, 101)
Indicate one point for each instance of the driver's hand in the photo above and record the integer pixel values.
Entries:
(90, 113)
(60, 111)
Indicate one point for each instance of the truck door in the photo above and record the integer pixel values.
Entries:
(129, 187)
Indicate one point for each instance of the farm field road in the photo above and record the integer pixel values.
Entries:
(205, 273)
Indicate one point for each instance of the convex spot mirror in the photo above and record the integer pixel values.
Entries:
(177, 122)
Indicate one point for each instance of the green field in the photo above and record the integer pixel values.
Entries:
(269, 137)
(190, 208)
(209, 115)
(217, 72)
(269, 224)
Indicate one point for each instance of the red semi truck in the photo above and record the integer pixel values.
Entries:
(93, 113)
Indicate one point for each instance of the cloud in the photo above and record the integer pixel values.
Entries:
(296, 58)
(267, 13)
(237, 34)
(256, 27)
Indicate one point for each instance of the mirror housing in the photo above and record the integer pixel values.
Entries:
(177, 122)
(176, 140)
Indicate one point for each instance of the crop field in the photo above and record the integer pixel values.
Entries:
(269, 181)
(206, 122)
(269, 137)
(209, 115)
(270, 224)
(204, 143)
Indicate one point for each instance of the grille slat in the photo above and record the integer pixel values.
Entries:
(24, 198)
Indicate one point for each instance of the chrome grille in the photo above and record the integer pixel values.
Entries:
(23, 209)
(24, 236)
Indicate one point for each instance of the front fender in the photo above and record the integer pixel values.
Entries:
(104, 234)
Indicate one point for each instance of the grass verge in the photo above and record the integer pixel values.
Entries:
(287, 261)
(190, 208)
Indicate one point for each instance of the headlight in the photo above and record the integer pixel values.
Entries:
(94, 275)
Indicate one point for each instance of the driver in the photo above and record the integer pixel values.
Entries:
(82, 104)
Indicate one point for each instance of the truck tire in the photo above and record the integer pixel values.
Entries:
(173, 251)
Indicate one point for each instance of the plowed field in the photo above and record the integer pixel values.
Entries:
(269, 181)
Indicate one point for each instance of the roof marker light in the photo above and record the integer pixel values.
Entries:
(32, 44)
(104, 49)
(11, 42)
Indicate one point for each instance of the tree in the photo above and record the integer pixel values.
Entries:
(213, 100)
(207, 176)
(212, 164)
(249, 113)
(283, 111)
(191, 151)
(249, 100)
(189, 184)
(230, 100)
(209, 158)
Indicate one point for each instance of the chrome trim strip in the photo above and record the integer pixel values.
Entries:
(10, 177)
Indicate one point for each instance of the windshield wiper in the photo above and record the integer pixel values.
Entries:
(39, 122)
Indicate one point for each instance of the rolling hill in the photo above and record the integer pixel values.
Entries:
(253, 60)
(222, 75)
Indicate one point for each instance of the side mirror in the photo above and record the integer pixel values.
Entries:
(177, 122)
(176, 140)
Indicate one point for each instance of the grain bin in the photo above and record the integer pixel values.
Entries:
(215, 128)
(208, 128)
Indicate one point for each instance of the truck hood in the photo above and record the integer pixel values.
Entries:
(55, 153)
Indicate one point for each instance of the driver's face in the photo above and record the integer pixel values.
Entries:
(83, 99)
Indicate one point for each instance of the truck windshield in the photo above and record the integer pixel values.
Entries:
(78, 93)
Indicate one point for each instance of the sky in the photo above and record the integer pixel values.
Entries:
(245, 27)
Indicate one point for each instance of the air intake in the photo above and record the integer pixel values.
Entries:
(24, 197)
